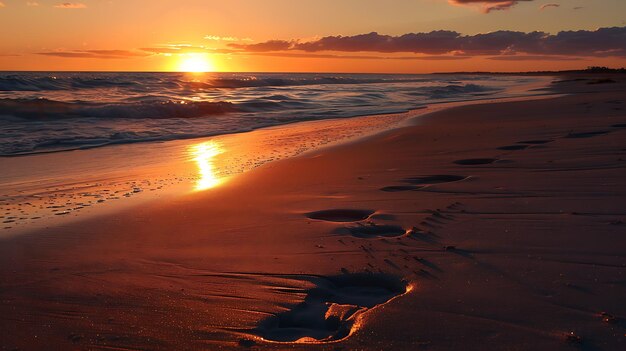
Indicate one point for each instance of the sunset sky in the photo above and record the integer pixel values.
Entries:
(305, 35)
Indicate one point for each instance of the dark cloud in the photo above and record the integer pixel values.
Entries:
(358, 57)
(286, 53)
(601, 42)
(489, 5)
(272, 45)
(533, 58)
(99, 54)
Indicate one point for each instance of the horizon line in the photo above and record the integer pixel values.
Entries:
(582, 70)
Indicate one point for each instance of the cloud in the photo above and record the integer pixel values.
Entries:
(533, 58)
(488, 5)
(601, 42)
(545, 6)
(99, 54)
(271, 45)
(169, 50)
(355, 57)
(1, 4)
(70, 5)
(32, 3)
(184, 49)
(219, 38)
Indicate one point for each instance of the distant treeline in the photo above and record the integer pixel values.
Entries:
(598, 69)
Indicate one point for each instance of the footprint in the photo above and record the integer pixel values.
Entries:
(423, 181)
(434, 179)
(341, 215)
(332, 309)
(513, 147)
(535, 142)
(396, 188)
(586, 134)
(371, 231)
(476, 161)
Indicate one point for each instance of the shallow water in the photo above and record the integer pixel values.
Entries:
(39, 188)
(47, 111)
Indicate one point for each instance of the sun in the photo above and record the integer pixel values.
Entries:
(196, 63)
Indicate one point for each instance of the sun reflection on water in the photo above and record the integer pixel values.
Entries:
(204, 155)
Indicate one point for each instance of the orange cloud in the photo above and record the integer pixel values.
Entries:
(70, 5)
(219, 38)
(184, 49)
(99, 54)
(488, 5)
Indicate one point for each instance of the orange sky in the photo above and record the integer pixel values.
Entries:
(165, 35)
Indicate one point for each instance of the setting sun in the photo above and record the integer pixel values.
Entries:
(195, 63)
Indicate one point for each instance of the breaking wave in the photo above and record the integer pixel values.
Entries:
(46, 112)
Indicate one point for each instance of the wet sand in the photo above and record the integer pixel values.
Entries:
(493, 226)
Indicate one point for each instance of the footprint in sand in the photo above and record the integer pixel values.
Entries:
(535, 142)
(586, 134)
(341, 215)
(420, 182)
(330, 311)
(476, 161)
(397, 188)
(369, 230)
(372, 230)
(513, 147)
(434, 179)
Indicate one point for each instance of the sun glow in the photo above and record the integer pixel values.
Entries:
(195, 63)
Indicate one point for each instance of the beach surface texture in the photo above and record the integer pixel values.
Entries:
(491, 226)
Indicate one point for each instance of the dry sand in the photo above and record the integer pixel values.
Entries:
(486, 227)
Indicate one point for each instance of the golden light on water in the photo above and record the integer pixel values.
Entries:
(195, 63)
(204, 155)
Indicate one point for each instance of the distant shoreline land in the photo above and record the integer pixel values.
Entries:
(588, 70)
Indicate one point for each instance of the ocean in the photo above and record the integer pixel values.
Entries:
(44, 112)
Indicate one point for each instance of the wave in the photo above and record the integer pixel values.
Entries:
(451, 90)
(254, 82)
(42, 83)
(60, 144)
(50, 112)
(50, 109)
(147, 81)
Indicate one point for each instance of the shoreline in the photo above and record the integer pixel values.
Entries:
(519, 91)
(504, 218)
(172, 154)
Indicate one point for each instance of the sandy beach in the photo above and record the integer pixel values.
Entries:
(492, 226)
